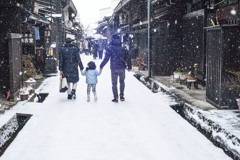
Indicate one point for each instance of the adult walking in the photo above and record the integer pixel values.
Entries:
(85, 47)
(119, 57)
(69, 60)
(95, 49)
(100, 48)
(90, 46)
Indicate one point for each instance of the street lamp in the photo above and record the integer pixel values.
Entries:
(149, 38)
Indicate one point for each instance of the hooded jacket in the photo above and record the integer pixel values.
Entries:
(91, 76)
(118, 55)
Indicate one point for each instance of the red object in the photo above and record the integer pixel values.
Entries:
(191, 78)
(8, 95)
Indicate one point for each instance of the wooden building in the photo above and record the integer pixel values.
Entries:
(223, 55)
(17, 36)
(184, 33)
(130, 19)
(32, 27)
(167, 36)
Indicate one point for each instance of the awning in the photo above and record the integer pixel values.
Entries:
(195, 14)
(121, 4)
(103, 24)
(32, 17)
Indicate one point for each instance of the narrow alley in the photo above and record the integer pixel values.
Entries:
(144, 127)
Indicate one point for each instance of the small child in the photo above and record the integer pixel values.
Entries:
(91, 79)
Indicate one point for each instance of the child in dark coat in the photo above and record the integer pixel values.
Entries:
(91, 79)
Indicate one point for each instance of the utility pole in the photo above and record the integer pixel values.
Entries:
(149, 38)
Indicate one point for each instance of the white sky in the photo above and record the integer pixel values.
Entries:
(89, 10)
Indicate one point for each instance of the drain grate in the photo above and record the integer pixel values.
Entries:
(42, 97)
(11, 129)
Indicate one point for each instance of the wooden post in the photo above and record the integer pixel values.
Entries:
(15, 65)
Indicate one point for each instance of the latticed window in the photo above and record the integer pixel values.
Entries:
(47, 35)
(27, 39)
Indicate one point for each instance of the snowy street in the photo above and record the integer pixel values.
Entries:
(144, 127)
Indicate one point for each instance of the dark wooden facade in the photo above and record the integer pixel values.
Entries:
(184, 33)
(222, 50)
(5, 58)
(167, 48)
(29, 27)
(130, 19)
(193, 51)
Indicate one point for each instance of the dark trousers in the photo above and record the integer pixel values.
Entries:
(115, 73)
(90, 52)
(95, 54)
(100, 53)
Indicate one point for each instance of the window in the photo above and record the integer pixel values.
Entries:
(47, 36)
(27, 39)
(226, 2)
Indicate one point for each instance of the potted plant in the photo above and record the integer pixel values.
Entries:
(177, 73)
(28, 67)
(24, 94)
(183, 76)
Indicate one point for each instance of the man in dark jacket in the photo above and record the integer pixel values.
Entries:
(119, 57)
(69, 60)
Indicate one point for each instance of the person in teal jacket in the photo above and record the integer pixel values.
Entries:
(91, 79)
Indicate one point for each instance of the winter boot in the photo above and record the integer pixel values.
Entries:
(69, 96)
(73, 94)
(115, 100)
(88, 98)
(121, 97)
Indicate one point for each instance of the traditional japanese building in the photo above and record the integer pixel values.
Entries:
(19, 35)
(33, 28)
(167, 36)
(223, 54)
(130, 19)
(104, 27)
(183, 34)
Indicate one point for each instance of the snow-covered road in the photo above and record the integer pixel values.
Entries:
(143, 127)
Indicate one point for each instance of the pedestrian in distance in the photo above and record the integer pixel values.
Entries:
(119, 60)
(69, 60)
(95, 49)
(90, 47)
(100, 48)
(85, 47)
(91, 79)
